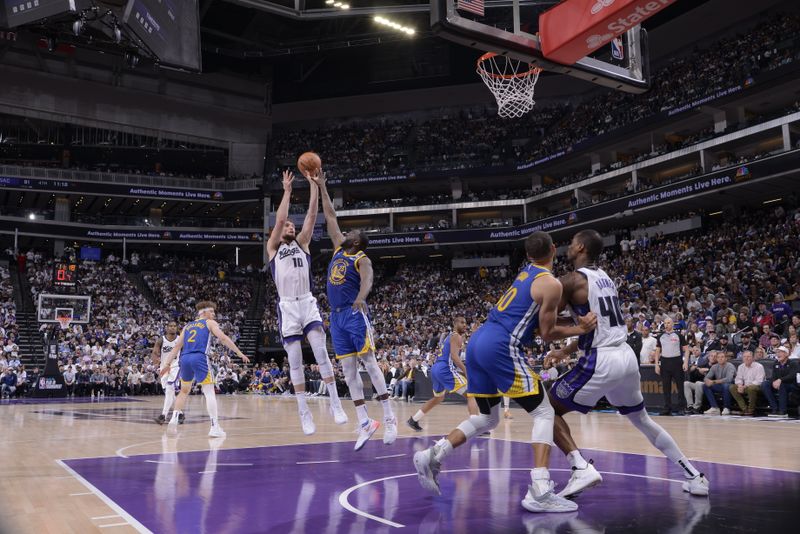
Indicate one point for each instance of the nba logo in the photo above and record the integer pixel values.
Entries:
(617, 50)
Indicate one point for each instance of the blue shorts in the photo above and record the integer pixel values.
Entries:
(350, 333)
(497, 367)
(194, 366)
(445, 380)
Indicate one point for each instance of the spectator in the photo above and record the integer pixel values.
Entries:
(747, 344)
(634, 338)
(693, 387)
(719, 380)
(783, 381)
(8, 383)
(647, 352)
(749, 377)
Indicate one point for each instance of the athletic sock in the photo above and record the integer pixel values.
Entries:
(506, 402)
(417, 417)
(334, 395)
(388, 413)
(689, 470)
(361, 412)
(576, 460)
(302, 405)
(175, 415)
(442, 449)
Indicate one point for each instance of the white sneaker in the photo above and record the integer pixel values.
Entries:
(581, 479)
(339, 417)
(712, 411)
(389, 430)
(307, 422)
(365, 432)
(428, 470)
(726, 411)
(535, 501)
(697, 486)
(216, 432)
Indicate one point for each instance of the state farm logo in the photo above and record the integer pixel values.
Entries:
(600, 5)
(595, 41)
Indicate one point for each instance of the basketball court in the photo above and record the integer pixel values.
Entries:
(85, 465)
(104, 466)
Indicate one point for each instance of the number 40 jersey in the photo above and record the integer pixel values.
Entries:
(604, 302)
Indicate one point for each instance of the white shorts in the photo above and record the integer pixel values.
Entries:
(610, 372)
(170, 378)
(297, 317)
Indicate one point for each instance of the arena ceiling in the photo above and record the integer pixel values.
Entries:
(311, 49)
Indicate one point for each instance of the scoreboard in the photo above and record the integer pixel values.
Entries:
(65, 274)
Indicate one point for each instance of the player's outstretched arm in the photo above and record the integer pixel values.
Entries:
(365, 271)
(304, 237)
(172, 354)
(213, 327)
(281, 216)
(455, 352)
(327, 208)
(155, 356)
(547, 292)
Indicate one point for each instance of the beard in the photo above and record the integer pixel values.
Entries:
(288, 237)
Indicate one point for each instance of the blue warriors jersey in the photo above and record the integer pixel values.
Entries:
(196, 338)
(444, 357)
(344, 282)
(516, 311)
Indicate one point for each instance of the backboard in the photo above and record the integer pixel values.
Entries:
(512, 28)
(51, 307)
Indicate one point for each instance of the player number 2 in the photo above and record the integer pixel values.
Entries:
(506, 299)
(609, 307)
(298, 262)
(192, 335)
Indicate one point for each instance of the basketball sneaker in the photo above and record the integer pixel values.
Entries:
(307, 422)
(537, 501)
(365, 432)
(389, 430)
(339, 417)
(216, 432)
(428, 470)
(697, 486)
(581, 479)
(414, 424)
(161, 419)
(181, 419)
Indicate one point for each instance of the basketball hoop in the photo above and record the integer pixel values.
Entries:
(64, 322)
(511, 82)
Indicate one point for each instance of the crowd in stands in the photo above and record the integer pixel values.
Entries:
(464, 139)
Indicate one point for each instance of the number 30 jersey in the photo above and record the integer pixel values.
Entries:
(516, 311)
(604, 302)
(291, 270)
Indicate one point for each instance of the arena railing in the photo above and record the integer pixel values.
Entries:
(128, 179)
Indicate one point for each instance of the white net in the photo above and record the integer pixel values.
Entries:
(511, 82)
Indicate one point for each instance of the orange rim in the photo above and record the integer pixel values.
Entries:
(489, 55)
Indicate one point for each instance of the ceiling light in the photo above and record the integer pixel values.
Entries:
(329, 2)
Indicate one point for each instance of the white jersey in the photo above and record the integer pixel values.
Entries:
(291, 270)
(166, 348)
(604, 302)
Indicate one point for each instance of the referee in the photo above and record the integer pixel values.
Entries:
(672, 360)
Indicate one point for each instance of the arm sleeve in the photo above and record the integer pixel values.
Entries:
(658, 341)
(739, 380)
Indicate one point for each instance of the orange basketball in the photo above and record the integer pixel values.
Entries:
(309, 163)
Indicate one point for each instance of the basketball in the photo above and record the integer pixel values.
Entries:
(309, 163)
